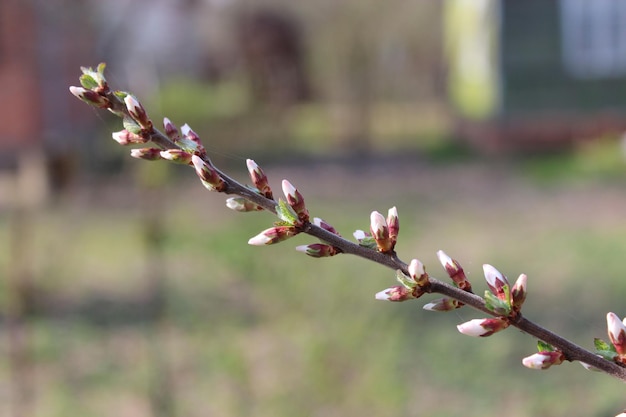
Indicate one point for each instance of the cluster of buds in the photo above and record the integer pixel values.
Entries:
(501, 299)
(413, 285)
(94, 87)
(292, 212)
(383, 232)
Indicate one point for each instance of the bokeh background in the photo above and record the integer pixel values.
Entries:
(126, 289)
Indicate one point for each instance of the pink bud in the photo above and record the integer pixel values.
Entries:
(90, 97)
(295, 200)
(191, 140)
(149, 154)
(321, 223)
(176, 155)
(442, 304)
(397, 293)
(209, 177)
(418, 273)
(483, 327)
(241, 204)
(454, 270)
(543, 360)
(518, 292)
(259, 179)
(137, 112)
(318, 250)
(393, 224)
(273, 235)
(124, 137)
(170, 130)
(380, 232)
(617, 333)
(495, 281)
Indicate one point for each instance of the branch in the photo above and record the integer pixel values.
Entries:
(502, 302)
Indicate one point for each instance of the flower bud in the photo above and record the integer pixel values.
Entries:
(149, 154)
(124, 137)
(443, 304)
(137, 112)
(295, 200)
(543, 360)
(241, 204)
(418, 273)
(191, 141)
(454, 270)
(259, 179)
(518, 292)
(396, 293)
(617, 333)
(90, 97)
(380, 232)
(497, 283)
(171, 131)
(273, 235)
(209, 177)
(318, 250)
(394, 225)
(321, 223)
(483, 327)
(176, 155)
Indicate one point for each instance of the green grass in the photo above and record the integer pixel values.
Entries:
(269, 332)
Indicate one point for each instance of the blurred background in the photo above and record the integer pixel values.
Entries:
(494, 126)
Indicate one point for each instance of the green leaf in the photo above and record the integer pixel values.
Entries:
(121, 94)
(131, 125)
(602, 345)
(405, 280)
(496, 305)
(88, 82)
(286, 213)
(368, 242)
(544, 347)
(100, 68)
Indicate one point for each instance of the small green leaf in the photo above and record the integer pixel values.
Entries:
(544, 347)
(496, 305)
(286, 213)
(131, 126)
(121, 94)
(368, 242)
(602, 345)
(101, 67)
(405, 280)
(88, 82)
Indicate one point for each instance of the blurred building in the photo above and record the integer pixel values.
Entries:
(39, 55)
(536, 75)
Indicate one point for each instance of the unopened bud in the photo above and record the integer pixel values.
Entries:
(295, 200)
(171, 131)
(443, 304)
(209, 177)
(241, 204)
(124, 137)
(380, 232)
(394, 225)
(259, 179)
(518, 292)
(149, 154)
(396, 293)
(191, 141)
(454, 270)
(497, 283)
(176, 155)
(483, 327)
(273, 235)
(617, 333)
(90, 97)
(318, 250)
(543, 360)
(321, 223)
(137, 112)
